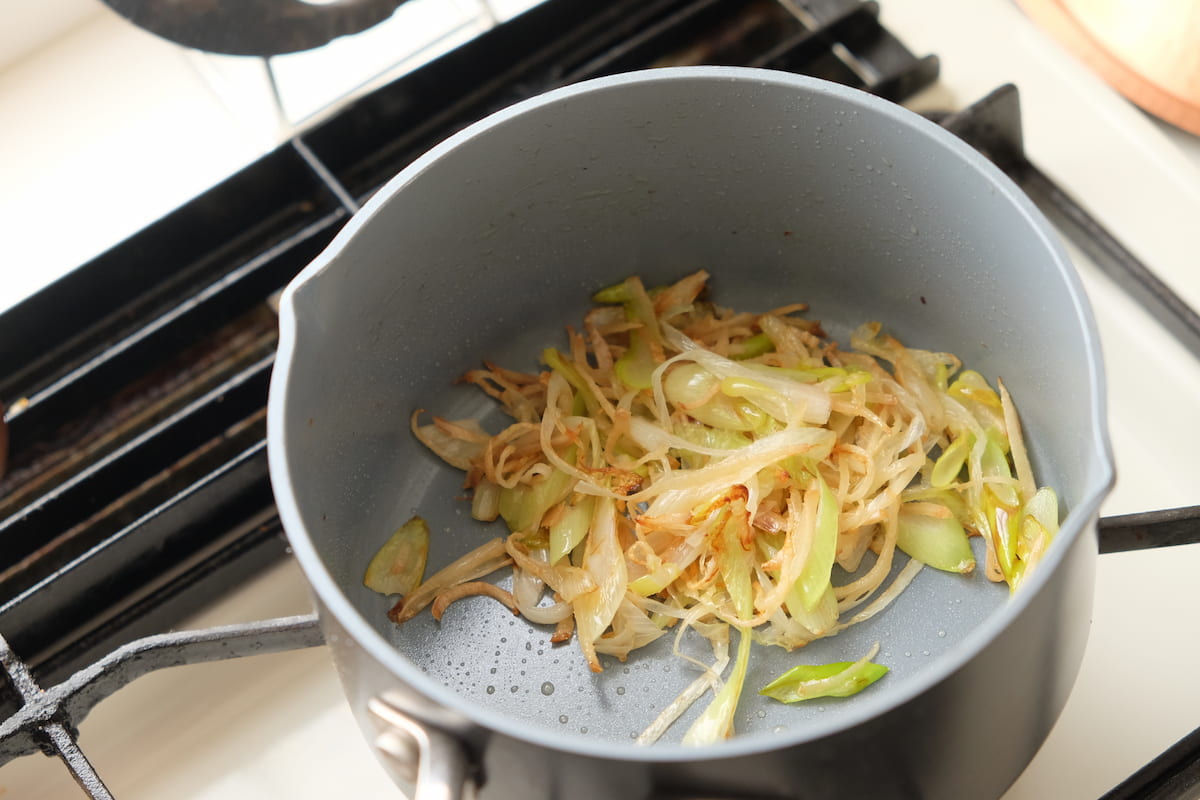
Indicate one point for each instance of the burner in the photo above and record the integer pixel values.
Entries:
(254, 27)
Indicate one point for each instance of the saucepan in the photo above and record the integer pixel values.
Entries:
(785, 189)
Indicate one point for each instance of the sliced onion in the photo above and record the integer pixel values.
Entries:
(483, 560)
(527, 592)
(450, 444)
(605, 562)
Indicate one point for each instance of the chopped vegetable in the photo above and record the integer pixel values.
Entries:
(682, 465)
(716, 722)
(842, 679)
(929, 533)
(399, 566)
(483, 560)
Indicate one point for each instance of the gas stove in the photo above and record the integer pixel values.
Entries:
(146, 510)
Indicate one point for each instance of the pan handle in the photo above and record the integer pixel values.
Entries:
(430, 760)
(1147, 529)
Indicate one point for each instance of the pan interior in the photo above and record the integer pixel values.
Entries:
(785, 190)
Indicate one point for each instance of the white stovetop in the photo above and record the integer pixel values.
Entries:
(277, 726)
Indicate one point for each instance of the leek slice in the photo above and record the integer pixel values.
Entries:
(711, 438)
(524, 505)
(615, 295)
(821, 619)
(399, 566)
(814, 578)
(753, 347)
(1043, 507)
(636, 365)
(937, 540)
(697, 391)
(1003, 526)
(655, 581)
(571, 527)
(559, 363)
(716, 721)
(994, 464)
(808, 681)
(970, 385)
(950, 463)
(733, 562)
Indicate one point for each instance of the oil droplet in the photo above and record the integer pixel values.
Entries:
(563, 718)
(620, 690)
(529, 645)
(941, 634)
(547, 688)
(583, 730)
(514, 689)
(491, 690)
(924, 652)
(493, 670)
(907, 654)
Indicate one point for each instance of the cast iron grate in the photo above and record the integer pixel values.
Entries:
(136, 474)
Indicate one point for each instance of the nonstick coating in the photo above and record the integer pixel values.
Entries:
(785, 189)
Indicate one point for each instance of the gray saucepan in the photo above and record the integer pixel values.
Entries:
(785, 189)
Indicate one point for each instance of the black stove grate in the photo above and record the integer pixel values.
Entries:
(136, 479)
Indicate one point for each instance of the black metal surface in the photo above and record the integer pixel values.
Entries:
(1149, 529)
(1175, 775)
(198, 246)
(378, 135)
(253, 27)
